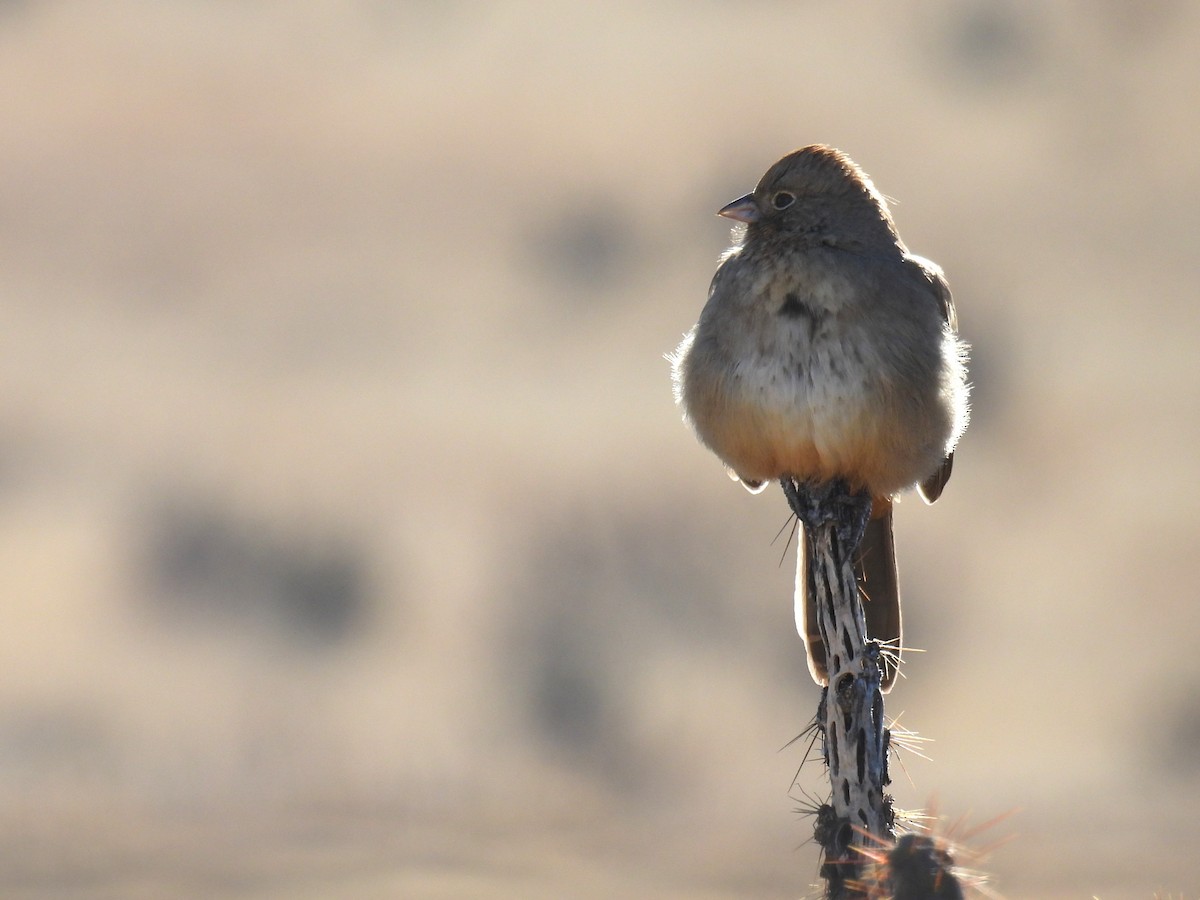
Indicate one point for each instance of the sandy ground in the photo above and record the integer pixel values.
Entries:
(352, 545)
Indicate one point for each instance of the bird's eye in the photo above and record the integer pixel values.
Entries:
(783, 200)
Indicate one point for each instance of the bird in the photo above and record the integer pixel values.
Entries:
(826, 354)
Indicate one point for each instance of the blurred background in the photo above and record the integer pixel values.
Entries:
(352, 545)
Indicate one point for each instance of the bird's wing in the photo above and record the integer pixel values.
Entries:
(931, 488)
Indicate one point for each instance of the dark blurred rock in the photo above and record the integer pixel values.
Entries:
(1177, 734)
(991, 44)
(209, 566)
(50, 739)
(586, 248)
(602, 599)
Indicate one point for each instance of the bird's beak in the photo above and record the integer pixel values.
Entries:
(743, 209)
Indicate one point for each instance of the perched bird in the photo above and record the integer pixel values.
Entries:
(827, 352)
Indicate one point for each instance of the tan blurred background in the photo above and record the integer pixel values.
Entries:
(352, 546)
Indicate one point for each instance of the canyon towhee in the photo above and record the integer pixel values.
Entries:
(827, 352)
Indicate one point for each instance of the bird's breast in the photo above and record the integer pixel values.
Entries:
(788, 391)
(794, 370)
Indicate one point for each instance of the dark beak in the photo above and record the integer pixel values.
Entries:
(743, 209)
